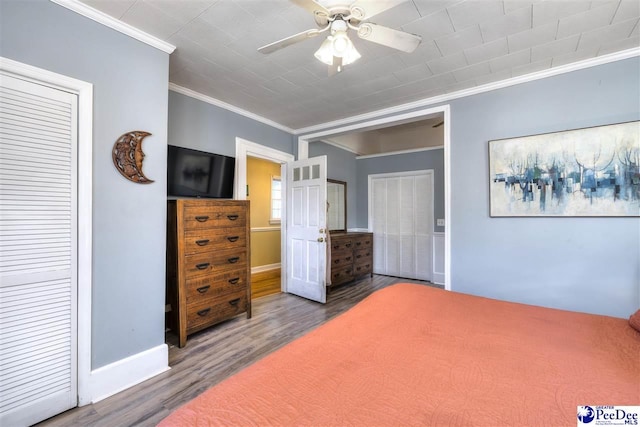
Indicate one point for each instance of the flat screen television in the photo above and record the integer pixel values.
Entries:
(193, 173)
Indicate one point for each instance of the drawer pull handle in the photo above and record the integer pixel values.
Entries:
(202, 242)
(234, 280)
(233, 260)
(348, 245)
(233, 238)
(348, 258)
(202, 266)
(336, 246)
(203, 289)
(336, 261)
(234, 301)
(358, 243)
(204, 312)
(232, 217)
(202, 218)
(358, 256)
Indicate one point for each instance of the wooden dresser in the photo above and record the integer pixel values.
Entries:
(208, 265)
(351, 256)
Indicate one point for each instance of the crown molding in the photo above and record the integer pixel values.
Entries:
(340, 146)
(116, 24)
(393, 153)
(588, 63)
(213, 101)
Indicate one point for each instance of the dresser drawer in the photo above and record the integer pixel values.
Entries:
(198, 241)
(341, 244)
(215, 285)
(362, 268)
(210, 262)
(213, 311)
(361, 242)
(201, 217)
(341, 275)
(341, 258)
(361, 255)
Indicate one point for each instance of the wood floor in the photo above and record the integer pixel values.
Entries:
(218, 352)
(265, 283)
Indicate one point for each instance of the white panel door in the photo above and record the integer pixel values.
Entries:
(38, 234)
(401, 218)
(306, 226)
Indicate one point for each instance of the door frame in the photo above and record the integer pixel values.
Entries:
(244, 149)
(391, 120)
(84, 91)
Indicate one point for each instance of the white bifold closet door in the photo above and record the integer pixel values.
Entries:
(401, 218)
(38, 279)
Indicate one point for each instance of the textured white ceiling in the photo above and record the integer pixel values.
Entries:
(464, 44)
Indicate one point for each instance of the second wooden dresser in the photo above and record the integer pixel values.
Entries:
(208, 265)
(351, 256)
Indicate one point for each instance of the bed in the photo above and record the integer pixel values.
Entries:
(415, 355)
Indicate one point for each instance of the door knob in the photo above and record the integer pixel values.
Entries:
(320, 239)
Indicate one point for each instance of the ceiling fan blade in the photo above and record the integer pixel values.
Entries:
(389, 37)
(365, 9)
(318, 11)
(296, 38)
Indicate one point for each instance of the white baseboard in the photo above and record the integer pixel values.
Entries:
(268, 267)
(115, 377)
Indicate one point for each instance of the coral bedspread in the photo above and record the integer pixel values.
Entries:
(414, 355)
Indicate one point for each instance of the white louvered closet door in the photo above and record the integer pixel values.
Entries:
(401, 218)
(38, 267)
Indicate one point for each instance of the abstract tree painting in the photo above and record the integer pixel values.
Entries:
(582, 172)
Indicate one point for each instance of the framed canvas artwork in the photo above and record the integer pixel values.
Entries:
(582, 172)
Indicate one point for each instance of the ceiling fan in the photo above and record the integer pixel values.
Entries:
(337, 18)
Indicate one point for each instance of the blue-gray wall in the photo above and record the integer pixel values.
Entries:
(341, 165)
(129, 220)
(202, 126)
(432, 159)
(582, 264)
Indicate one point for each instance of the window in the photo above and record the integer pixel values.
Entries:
(276, 200)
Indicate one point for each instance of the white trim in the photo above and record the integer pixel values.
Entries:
(588, 63)
(246, 148)
(264, 229)
(358, 230)
(340, 146)
(267, 267)
(84, 91)
(437, 249)
(213, 101)
(393, 153)
(115, 377)
(303, 150)
(115, 24)
(377, 123)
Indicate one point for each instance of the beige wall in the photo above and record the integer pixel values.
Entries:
(265, 245)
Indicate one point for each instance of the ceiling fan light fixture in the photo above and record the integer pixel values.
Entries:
(325, 53)
(337, 45)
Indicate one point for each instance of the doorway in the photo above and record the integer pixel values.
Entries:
(265, 195)
(444, 239)
(246, 150)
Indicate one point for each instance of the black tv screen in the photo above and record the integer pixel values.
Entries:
(193, 173)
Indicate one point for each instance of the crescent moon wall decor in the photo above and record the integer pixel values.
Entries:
(128, 156)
